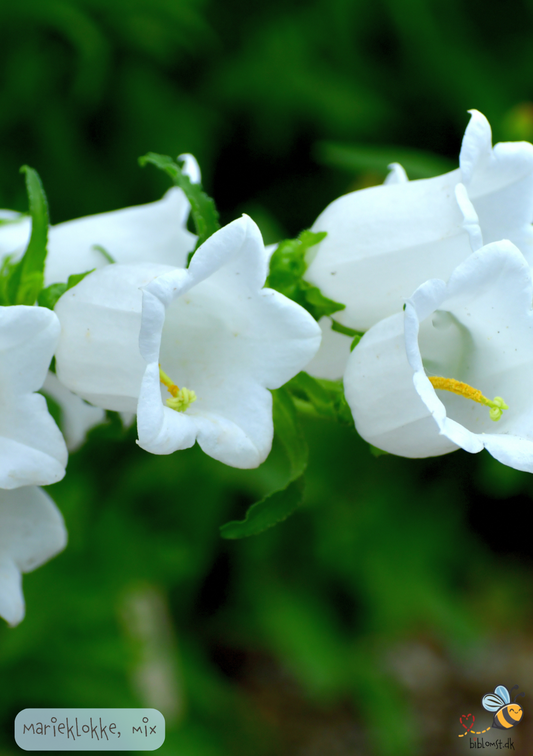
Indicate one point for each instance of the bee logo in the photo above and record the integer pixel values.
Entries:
(506, 714)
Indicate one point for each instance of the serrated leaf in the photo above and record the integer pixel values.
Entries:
(278, 505)
(5, 270)
(203, 209)
(25, 279)
(29, 288)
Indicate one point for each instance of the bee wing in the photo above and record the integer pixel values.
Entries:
(492, 702)
(502, 691)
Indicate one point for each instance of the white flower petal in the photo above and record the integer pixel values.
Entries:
(32, 449)
(499, 183)
(153, 233)
(28, 337)
(190, 167)
(477, 329)
(213, 329)
(330, 360)
(78, 417)
(387, 410)
(98, 356)
(470, 219)
(12, 607)
(392, 234)
(397, 174)
(476, 147)
(384, 241)
(32, 531)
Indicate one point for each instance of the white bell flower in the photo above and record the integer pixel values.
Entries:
(155, 232)
(384, 241)
(147, 233)
(455, 369)
(210, 329)
(32, 531)
(32, 449)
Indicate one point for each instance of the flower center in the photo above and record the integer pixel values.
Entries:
(497, 405)
(181, 398)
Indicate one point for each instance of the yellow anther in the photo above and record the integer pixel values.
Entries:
(181, 398)
(497, 405)
(182, 401)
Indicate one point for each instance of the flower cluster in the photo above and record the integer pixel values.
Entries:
(455, 254)
(33, 450)
(192, 351)
(193, 340)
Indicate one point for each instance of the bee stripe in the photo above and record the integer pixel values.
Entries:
(505, 718)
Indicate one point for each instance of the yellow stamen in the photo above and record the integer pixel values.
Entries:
(166, 381)
(497, 405)
(181, 398)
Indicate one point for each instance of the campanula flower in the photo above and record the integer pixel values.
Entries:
(155, 232)
(455, 369)
(384, 241)
(192, 351)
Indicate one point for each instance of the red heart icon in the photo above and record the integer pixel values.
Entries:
(466, 717)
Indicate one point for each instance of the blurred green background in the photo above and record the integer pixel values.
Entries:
(400, 592)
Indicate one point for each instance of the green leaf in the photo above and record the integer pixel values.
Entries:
(103, 251)
(203, 209)
(25, 278)
(49, 297)
(344, 329)
(75, 278)
(278, 505)
(266, 513)
(289, 431)
(356, 158)
(287, 266)
(355, 342)
(319, 396)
